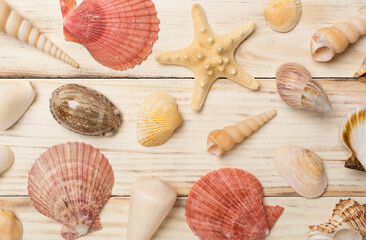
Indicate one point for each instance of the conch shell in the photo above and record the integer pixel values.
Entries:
(328, 41)
(15, 99)
(151, 201)
(6, 159)
(219, 141)
(10, 227)
(283, 15)
(348, 214)
(361, 73)
(157, 119)
(85, 111)
(302, 169)
(15, 25)
(297, 88)
(353, 137)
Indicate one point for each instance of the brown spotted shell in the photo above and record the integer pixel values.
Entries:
(85, 111)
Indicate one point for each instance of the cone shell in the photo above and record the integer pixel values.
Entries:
(283, 15)
(297, 89)
(15, 99)
(6, 158)
(158, 119)
(151, 201)
(353, 136)
(118, 34)
(228, 204)
(302, 169)
(10, 227)
(85, 111)
(348, 214)
(71, 183)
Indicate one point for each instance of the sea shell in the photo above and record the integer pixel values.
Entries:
(158, 119)
(15, 99)
(15, 25)
(85, 111)
(302, 169)
(361, 73)
(348, 214)
(328, 41)
(6, 158)
(71, 183)
(283, 15)
(341, 234)
(297, 89)
(219, 141)
(228, 204)
(151, 201)
(353, 136)
(10, 227)
(118, 34)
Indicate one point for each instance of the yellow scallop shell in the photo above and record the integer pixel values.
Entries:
(283, 15)
(10, 227)
(158, 119)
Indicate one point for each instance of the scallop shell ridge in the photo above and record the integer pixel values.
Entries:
(283, 15)
(10, 227)
(158, 119)
(70, 183)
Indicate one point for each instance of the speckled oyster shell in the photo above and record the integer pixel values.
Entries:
(85, 111)
(71, 183)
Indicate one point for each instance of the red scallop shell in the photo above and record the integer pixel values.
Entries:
(119, 34)
(228, 204)
(71, 183)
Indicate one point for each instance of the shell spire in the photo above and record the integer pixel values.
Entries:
(361, 73)
(219, 141)
(15, 25)
(327, 42)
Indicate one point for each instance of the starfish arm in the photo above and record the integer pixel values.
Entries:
(240, 34)
(200, 23)
(179, 57)
(202, 85)
(237, 74)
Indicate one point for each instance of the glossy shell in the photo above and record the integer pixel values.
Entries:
(302, 169)
(353, 137)
(71, 183)
(157, 119)
(85, 111)
(6, 158)
(10, 227)
(227, 204)
(297, 89)
(283, 15)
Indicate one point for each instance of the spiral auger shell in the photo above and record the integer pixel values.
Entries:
(15, 25)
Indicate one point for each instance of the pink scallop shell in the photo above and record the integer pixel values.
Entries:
(71, 183)
(119, 34)
(228, 204)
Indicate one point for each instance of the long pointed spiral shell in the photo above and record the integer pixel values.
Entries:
(15, 25)
(220, 141)
(328, 41)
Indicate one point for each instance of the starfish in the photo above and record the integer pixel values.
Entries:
(211, 56)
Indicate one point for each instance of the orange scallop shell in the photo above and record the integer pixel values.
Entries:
(228, 204)
(71, 183)
(119, 34)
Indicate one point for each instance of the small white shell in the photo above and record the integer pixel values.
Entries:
(6, 158)
(15, 99)
(342, 234)
(302, 169)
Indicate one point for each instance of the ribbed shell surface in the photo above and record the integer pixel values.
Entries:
(85, 111)
(71, 183)
(227, 204)
(118, 33)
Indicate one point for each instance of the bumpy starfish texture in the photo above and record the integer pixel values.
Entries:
(210, 57)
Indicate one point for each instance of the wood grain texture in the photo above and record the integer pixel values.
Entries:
(183, 159)
(260, 55)
(299, 213)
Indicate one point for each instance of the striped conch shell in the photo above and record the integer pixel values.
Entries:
(348, 214)
(220, 141)
(15, 25)
(328, 41)
(297, 88)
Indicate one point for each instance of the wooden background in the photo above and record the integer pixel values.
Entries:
(183, 159)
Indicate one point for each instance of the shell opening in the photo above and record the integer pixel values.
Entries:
(323, 54)
(214, 148)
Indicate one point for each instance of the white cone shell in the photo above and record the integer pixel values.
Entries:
(15, 99)
(6, 158)
(151, 201)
